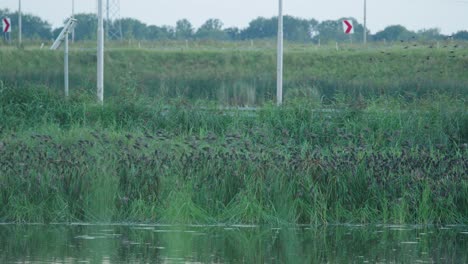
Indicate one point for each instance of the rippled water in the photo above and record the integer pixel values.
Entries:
(78, 243)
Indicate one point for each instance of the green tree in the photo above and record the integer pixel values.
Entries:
(160, 33)
(461, 35)
(133, 29)
(295, 29)
(85, 28)
(332, 30)
(429, 34)
(261, 28)
(184, 29)
(233, 33)
(212, 29)
(395, 33)
(33, 26)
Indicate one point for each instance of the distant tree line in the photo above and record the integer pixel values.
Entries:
(33, 27)
(295, 29)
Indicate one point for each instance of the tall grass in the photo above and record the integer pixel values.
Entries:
(141, 159)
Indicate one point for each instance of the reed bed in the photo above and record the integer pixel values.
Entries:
(138, 159)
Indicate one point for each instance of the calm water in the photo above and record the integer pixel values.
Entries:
(231, 244)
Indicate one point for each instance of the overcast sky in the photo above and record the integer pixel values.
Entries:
(448, 15)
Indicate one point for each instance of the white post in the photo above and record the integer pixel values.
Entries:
(100, 55)
(66, 65)
(20, 24)
(279, 81)
(107, 18)
(73, 16)
(365, 22)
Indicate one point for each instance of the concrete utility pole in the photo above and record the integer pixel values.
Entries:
(107, 17)
(66, 79)
(67, 29)
(279, 81)
(73, 16)
(20, 24)
(365, 22)
(100, 54)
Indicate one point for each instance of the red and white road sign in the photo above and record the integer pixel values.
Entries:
(6, 22)
(348, 27)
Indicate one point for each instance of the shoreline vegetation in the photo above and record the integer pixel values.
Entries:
(389, 146)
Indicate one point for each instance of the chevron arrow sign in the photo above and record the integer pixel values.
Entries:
(348, 27)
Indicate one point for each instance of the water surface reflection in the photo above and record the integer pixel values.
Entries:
(231, 244)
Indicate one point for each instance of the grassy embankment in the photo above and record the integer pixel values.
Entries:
(241, 76)
(394, 152)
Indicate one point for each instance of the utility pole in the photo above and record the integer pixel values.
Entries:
(279, 80)
(20, 24)
(66, 78)
(365, 22)
(100, 54)
(73, 16)
(107, 18)
(64, 35)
